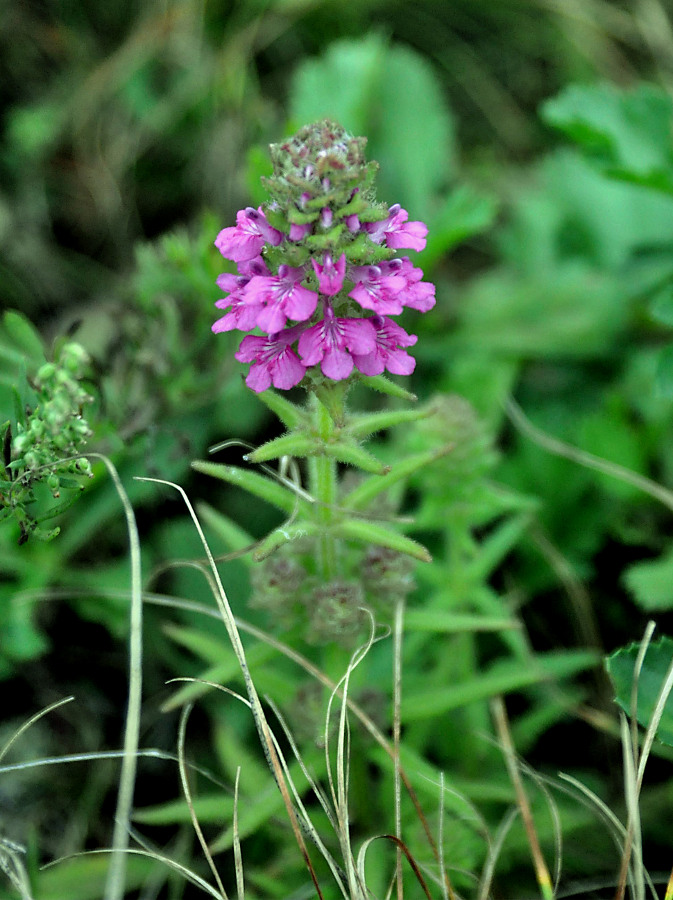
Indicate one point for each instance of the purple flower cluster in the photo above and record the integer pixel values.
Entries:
(326, 312)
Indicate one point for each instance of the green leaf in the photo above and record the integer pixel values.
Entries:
(257, 809)
(84, 877)
(385, 386)
(291, 415)
(502, 677)
(353, 455)
(651, 583)
(209, 648)
(366, 532)
(661, 306)
(255, 484)
(24, 336)
(658, 659)
(287, 445)
(220, 673)
(446, 622)
(363, 425)
(234, 537)
(361, 496)
(414, 142)
(627, 132)
(464, 213)
(209, 808)
(284, 534)
(390, 94)
(497, 545)
(664, 373)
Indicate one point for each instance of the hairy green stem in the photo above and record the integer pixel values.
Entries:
(323, 487)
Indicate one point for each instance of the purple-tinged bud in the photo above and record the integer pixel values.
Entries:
(326, 217)
(297, 232)
(352, 223)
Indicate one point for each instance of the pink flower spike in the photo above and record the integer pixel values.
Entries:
(330, 276)
(387, 353)
(245, 240)
(281, 297)
(273, 360)
(396, 232)
(332, 341)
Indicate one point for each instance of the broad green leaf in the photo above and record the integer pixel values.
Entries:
(651, 583)
(21, 337)
(502, 677)
(661, 306)
(664, 372)
(415, 136)
(628, 132)
(390, 94)
(258, 485)
(658, 659)
(464, 213)
(583, 310)
(339, 84)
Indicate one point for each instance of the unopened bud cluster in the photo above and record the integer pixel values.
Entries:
(336, 611)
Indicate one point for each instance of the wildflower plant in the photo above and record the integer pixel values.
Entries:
(44, 441)
(321, 278)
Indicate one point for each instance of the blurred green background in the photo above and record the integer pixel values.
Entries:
(534, 138)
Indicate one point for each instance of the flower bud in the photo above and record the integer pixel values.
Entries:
(336, 612)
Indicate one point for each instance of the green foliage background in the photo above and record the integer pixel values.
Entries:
(535, 139)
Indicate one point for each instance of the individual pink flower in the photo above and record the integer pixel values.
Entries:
(246, 239)
(273, 360)
(377, 291)
(242, 314)
(330, 275)
(282, 297)
(417, 294)
(332, 341)
(387, 352)
(396, 232)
